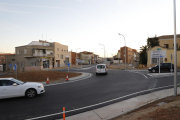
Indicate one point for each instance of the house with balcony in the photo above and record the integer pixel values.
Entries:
(39, 55)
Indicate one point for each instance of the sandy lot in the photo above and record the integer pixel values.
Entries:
(169, 110)
(41, 76)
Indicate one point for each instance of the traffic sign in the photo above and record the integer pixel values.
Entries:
(158, 48)
(68, 64)
(10, 65)
(15, 67)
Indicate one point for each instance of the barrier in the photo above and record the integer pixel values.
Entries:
(67, 77)
(47, 80)
(63, 113)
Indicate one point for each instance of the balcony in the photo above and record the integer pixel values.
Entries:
(39, 55)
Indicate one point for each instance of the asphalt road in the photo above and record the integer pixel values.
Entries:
(94, 90)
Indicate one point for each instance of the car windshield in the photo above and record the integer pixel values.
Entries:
(18, 81)
(100, 66)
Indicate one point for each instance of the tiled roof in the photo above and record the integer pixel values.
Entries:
(169, 36)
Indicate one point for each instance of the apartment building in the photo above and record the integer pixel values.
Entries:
(3, 60)
(39, 55)
(130, 54)
(166, 47)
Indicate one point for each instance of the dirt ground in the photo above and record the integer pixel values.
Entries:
(170, 110)
(41, 76)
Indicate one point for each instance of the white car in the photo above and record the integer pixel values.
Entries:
(101, 68)
(10, 87)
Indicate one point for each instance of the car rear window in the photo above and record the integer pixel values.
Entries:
(100, 66)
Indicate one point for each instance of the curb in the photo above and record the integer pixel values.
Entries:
(78, 78)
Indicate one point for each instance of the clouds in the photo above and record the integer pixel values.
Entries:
(11, 11)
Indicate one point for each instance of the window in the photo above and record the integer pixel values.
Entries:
(57, 55)
(62, 50)
(57, 49)
(100, 66)
(25, 51)
(2, 56)
(22, 64)
(61, 56)
(176, 46)
(33, 63)
(155, 61)
(17, 51)
(6, 83)
(166, 45)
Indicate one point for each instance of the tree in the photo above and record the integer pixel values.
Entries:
(151, 42)
(143, 55)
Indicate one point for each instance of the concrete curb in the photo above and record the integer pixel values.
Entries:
(83, 76)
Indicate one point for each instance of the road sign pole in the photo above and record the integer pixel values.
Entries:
(159, 61)
(81, 64)
(171, 63)
(16, 71)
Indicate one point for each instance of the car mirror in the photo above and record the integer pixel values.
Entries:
(14, 84)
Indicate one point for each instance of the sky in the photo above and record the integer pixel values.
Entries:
(86, 23)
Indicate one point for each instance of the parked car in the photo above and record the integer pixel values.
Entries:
(163, 67)
(10, 87)
(111, 62)
(101, 69)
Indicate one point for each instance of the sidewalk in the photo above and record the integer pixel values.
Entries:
(162, 74)
(120, 108)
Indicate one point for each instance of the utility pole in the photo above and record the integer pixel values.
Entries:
(175, 52)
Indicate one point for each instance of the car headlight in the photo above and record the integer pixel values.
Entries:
(41, 86)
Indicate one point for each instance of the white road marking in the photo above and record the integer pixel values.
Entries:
(149, 74)
(141, 74)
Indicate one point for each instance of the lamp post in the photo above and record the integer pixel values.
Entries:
(175, 52)
(125, 48)
(104, 50)
(76, 55)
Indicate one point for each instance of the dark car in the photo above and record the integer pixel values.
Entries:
(163, 67)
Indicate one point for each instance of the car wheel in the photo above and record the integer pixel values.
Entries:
(171, 70)
(30, 93)
(153, 70)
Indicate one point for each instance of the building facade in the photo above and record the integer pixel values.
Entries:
(164, 51)
(39, 55)
(130, 54)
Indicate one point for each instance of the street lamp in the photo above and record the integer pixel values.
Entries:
(76, 55)
(125, 48)
(175, 52)
(104, 49)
